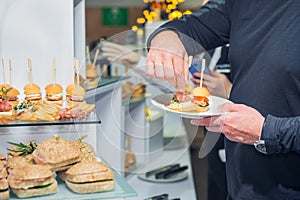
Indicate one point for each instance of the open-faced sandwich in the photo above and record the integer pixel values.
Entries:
(56, 153)
(32, 180)
(198, 101)
(90, 177)
(4, 192)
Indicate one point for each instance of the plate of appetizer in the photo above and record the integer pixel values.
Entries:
(196, 104)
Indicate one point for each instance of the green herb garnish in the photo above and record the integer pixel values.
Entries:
(23, 149)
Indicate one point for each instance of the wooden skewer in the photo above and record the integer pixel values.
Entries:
(54, 69)
(3, 68)
(30, 70)
(88, 54)
(105, 70)
(95, 58)
(202, 70)
(189, 65)
(10, 72)
(77, 71)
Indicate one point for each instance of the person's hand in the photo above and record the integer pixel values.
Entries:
(121, 54)
(240, 123)
(217, 84)
(168, 60)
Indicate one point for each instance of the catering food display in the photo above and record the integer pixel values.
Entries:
(34, 109)
(32, 167)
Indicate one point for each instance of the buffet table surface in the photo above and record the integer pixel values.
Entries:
(183, 189)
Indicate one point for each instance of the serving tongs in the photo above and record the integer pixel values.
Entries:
(171, 172)
(161, 169)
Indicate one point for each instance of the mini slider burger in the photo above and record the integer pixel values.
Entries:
(3, 88)
(32, 180)
(201, 98)
(5, 107)
(91, 77)
(75, 94)
(12, 97)
(56, 153)
(4, 192)
(90, 177)
(54, 93)
(32, 92)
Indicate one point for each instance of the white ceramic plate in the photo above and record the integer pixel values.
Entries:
(177, 177)
(163, 100)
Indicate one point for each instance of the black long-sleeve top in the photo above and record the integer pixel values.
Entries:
(264, 37)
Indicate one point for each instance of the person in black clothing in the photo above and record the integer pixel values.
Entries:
(219, 84)
(262, 124)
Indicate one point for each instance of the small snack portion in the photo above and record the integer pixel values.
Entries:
(4, 192)
(56, 153)
(54, 93)
(198, 102)
(5, 106)
(91, 77)
(90, 177)
(32, 92)
(32, 180)
(75, 94)
(201, 98)
(12, 97)
(4, 89)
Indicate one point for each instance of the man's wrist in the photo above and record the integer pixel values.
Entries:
(260, 144)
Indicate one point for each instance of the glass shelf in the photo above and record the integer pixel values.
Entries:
(91, 119)
(106, 81)
(122, 189)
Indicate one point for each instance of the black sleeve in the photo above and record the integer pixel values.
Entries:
(206, 28)
(281, 135)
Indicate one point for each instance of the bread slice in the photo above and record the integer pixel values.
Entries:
(89, 172)
(18, 161)
(31, 192)
(30, 172)
(84, 188)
